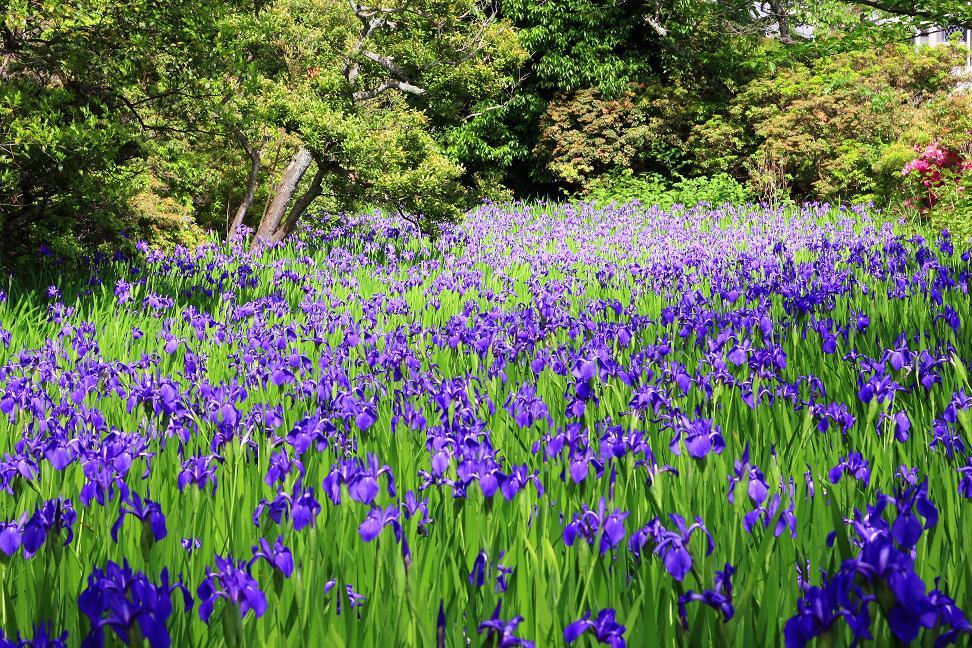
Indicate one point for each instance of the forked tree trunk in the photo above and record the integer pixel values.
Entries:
(284, 193)
(300, 206)
(251, 186)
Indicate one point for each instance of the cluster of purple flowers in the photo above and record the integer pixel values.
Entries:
(882, 576)
(525, 363)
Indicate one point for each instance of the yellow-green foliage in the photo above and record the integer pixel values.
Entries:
(585, 134)
(832, 128)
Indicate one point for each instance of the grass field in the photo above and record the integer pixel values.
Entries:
(724, 427)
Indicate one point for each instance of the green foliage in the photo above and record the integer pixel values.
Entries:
(387, 150)
(676, 61)
(581, 43)
(654, 189)
(108, 126)
(823, 130)
(585, 135)
(924, 12)
(82, 88)
(144, 119)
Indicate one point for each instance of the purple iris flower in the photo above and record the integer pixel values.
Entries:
(355, 600)
(649, 534)
(503, 574)
(951, 317)
(281, 466)
(191, 544)
(719, 598)
(199, 471)
(378, 519)
(820, 608)
(361, 481)
(588, 524)
(833, 412)
(364, 487)
(880, 571)
(232, 582)
(604, 628)
(907, 475)
(477, 575)
(302, 507)
(756, 486)
(123, 291)
(906, 528)
(881, 564)
(526, 407)
(413, 507)
(129, 604)
(149, 512)
(42, 637)
(965, 479)
(672, 546)
(584, 372)
(580, 463)
(902, 424)
(47, 522)
(701, 438)
(949, 617)
(11, 535)
(854, 465)
(502, 634)
(900, 356)
(276, 509)
(766, 513)
(278, 556)
(103, 478)
(880, 386)
(518, 478)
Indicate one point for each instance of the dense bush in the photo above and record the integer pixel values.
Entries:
(654, 189)
(937, 183)
(111, 131)
(827, 130)
(228, 114)
(584, 135)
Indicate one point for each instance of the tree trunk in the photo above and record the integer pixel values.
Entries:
(782, 21)
(313, 191)
(251, 185)
(292, 175)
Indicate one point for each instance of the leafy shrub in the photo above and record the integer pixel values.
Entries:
(824, 129)
(586, 134)
(654, 189)
(925, 172)
(937, 183)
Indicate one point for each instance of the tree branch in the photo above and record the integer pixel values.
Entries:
(384, 61)
(896, 10)
(655, 24)
(389, 84)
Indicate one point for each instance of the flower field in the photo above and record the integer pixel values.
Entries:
(553, 425)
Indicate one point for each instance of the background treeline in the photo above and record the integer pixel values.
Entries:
(169, 120)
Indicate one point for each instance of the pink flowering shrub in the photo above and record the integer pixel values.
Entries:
(939, 173)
